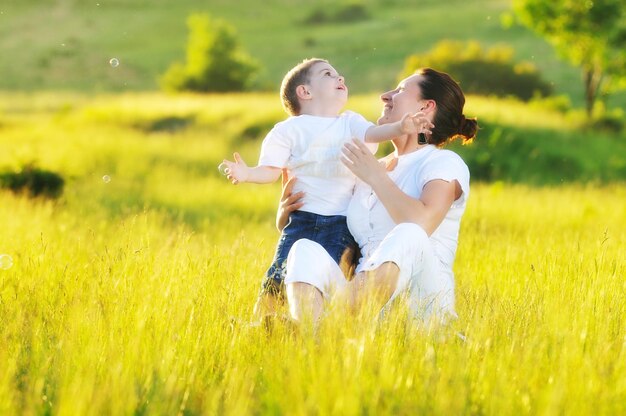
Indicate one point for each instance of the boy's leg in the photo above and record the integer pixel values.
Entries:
(266, 304)
(272, 295)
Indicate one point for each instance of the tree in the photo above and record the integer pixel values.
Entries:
(481, 71)
(215, 61)
(590, 34)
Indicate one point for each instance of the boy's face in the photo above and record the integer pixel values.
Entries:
(325, 84)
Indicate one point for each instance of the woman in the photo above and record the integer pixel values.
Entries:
(405, 220)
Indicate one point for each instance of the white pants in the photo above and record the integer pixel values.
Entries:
(426, 282)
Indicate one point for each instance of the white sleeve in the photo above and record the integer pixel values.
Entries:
(447, 166)
(275, 149)
(358, 128)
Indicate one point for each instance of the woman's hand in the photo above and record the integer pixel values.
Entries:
(288, 202)
(357, 157)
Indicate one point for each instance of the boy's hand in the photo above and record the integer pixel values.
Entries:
(415, 124)
(237, 171)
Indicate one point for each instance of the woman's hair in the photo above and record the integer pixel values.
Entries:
(450, 122)
(298, 75)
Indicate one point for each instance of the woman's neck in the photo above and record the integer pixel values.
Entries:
(406, 144)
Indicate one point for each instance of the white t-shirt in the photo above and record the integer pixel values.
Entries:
(369, 222)
(310, 147)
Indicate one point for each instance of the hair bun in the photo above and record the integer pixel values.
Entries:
(468, 127)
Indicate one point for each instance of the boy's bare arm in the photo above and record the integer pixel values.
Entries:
(238, 172)
(410, 124)
(263, 174)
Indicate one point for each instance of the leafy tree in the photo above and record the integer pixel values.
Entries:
(215, 61)
(481, 71)
(590, 34)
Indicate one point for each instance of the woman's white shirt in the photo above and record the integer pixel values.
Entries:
(369, 221)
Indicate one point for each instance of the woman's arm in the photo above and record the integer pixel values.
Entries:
(427, 212)
(289, 202)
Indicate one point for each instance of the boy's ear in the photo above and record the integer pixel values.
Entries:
(302, 92)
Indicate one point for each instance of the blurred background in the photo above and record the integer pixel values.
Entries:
(67, 44)
(546, 79)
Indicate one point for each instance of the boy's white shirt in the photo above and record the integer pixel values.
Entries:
(310, 147)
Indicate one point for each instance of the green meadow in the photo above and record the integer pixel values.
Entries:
(131, 294)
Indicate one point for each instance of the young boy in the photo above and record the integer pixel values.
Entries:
(309, 144)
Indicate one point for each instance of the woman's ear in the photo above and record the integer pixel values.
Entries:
(302, 92)
(429, 106)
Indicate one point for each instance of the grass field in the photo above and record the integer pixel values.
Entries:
(131, 293)
(67, 44)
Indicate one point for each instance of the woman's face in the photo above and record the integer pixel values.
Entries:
(406, 98)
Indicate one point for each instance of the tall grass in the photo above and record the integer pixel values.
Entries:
(141, 313)
(133, 296)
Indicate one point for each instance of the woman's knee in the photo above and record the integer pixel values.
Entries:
(409, 231)
(308, 262)
(304, 247)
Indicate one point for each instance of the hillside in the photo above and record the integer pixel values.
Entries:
(67, 44)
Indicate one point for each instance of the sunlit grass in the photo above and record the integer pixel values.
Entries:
(141, 311)
(132, 296)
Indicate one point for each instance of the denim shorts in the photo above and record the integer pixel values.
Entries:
(331, 232)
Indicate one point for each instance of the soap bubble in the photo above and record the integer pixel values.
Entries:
(223, 169)
(114, 62)
(106, 179)
(6, 262)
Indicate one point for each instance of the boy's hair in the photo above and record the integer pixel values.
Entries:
(298, 75)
